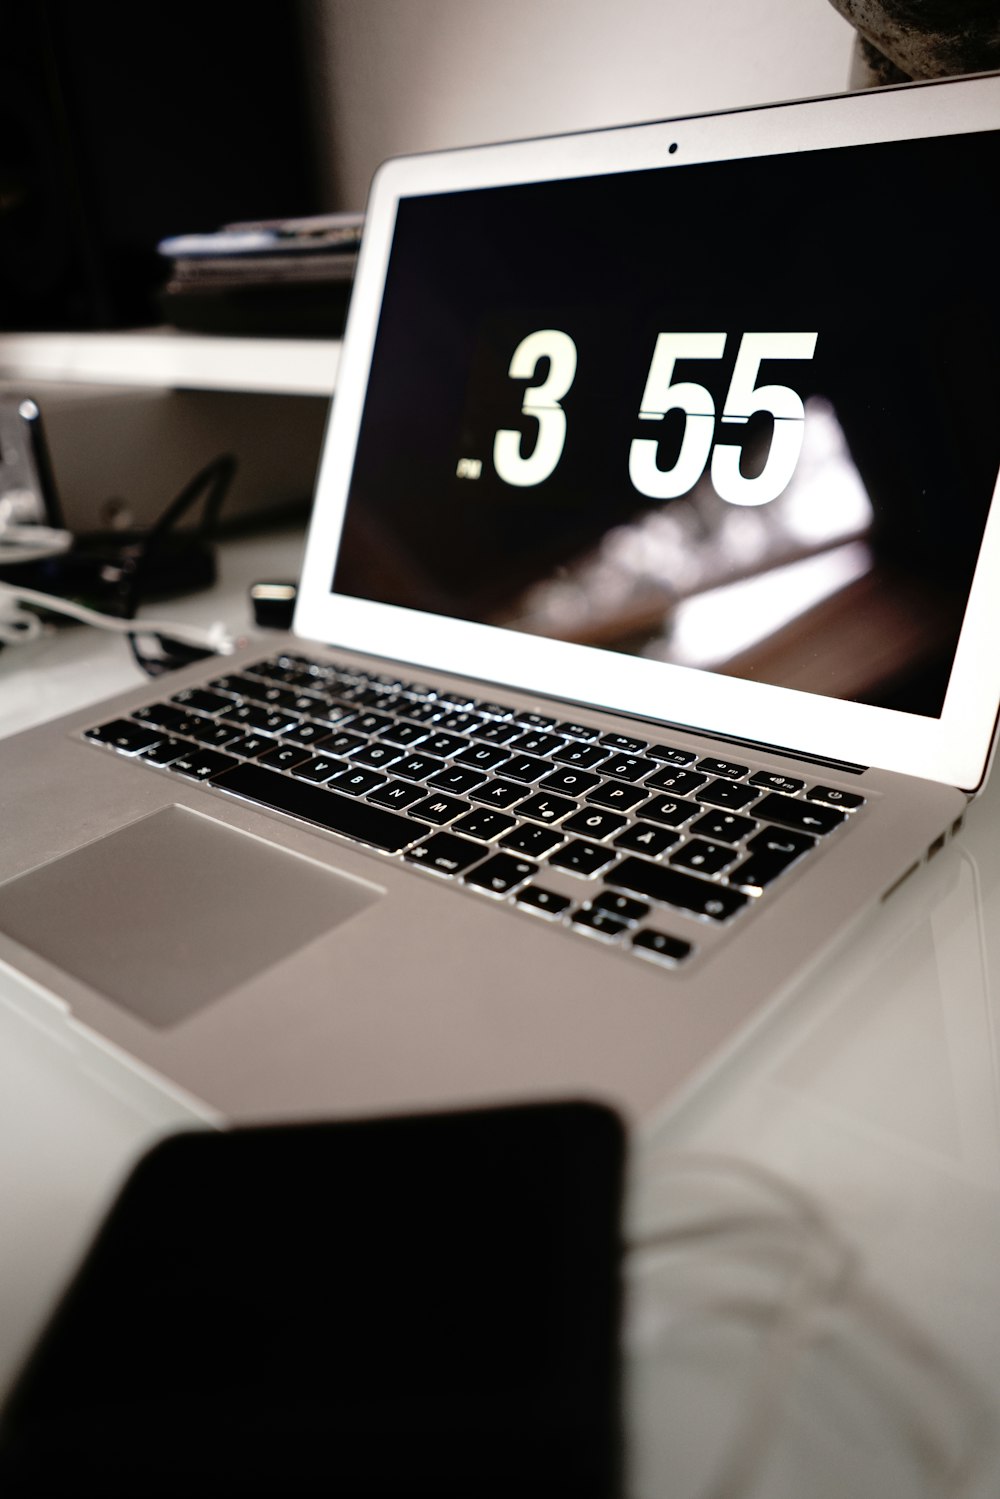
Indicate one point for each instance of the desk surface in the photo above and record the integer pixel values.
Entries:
(873, 1092)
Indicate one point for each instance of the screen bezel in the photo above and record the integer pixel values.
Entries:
(953, 748)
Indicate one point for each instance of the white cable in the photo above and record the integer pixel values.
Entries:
(821, 1304)
(216, 638)
(30, 543)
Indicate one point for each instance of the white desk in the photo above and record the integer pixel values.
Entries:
(875, 1090)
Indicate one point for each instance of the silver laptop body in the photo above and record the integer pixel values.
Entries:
(654, 552)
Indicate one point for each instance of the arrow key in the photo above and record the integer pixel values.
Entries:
(805, 817)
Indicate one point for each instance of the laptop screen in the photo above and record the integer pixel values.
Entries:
(735, 416)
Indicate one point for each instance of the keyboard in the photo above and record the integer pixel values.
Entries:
(517, 806)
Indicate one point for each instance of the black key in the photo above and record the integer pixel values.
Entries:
(439, 809)
(784, 842)
(396, 702)
(681, 782)
(500, 793)
(343, 742)
(276, 697)
(309, 703)
(734, 794)
(445, 853)
(320, 768)
(770, 780)
(659, 945)
(805, 817)
(501, 873)
(484, 823)
(623, 742)
(499, 732)
(397, 794)
(849, 800)
(419, 690)
(577, 730)
(265, 720)
(251, 746)
(525, 768)
(722, 768)
(703, 857)
(425, 712)
(585, 755)
(339, 814)
(370, 723)
(534, 720)
(483, 757)
(417, 767)
(202, 764)
(583, 858)
(308, 733)
(163, 751)
(379, 754)
(544, 902)
(625, 907)
(239, 686)
(463, 723)
(724, 827)
(360, 696)
(277, 671)
(669, 755)
(627, 767)
(570, 782)
(546, 808)
(174, 720)
(357, 782)
(537, 742)
(215, 735)
(532, 838)
(404, 733)
(201, 701)
(671, 811)
(126, 735)
(151, 713)
(593, 823)
(602, 923)
(617, 795)
(457, 779)
(456, 699)
(641, 838)
(284, 757)
(494, 710)
(675, 888)
(444, 744)
(757, 872)
(334, 715)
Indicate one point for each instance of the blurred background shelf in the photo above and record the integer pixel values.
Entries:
(170, 359)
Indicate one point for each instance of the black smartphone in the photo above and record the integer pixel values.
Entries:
(401, 1307)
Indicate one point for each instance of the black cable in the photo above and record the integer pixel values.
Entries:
(215, 478)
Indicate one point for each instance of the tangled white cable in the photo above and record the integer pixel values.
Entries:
(19, 624)
(773, 1265)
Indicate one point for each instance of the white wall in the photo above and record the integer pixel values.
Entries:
(408, 75)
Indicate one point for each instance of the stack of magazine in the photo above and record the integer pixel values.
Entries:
(278, 276)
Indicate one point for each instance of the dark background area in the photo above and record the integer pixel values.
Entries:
(121, 124)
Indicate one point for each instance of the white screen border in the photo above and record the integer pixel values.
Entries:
(953, 749)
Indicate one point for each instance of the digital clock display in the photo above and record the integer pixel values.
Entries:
(725, 415)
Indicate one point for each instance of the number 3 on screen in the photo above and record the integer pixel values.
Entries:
(743, 399)
(540, 402)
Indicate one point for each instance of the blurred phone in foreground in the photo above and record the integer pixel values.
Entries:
(405, 1307)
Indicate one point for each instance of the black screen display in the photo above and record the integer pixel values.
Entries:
(737, 416)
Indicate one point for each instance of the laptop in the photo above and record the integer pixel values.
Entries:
(646, 636)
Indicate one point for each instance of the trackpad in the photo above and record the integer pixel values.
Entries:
(174, 910)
